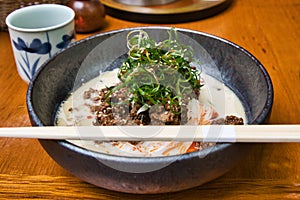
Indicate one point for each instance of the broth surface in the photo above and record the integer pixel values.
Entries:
(215, 98)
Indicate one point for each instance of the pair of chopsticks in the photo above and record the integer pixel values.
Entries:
(206, 133)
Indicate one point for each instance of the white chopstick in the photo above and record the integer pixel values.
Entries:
(206, 133)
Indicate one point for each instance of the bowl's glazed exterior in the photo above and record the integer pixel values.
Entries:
(228, 62)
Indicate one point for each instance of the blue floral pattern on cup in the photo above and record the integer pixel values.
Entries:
(37, 47)
(66, 40)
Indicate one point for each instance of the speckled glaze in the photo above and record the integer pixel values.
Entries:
(233, 65)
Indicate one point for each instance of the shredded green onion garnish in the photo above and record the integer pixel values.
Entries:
(158, 73)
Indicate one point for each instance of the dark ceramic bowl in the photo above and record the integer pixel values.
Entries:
(225, 61)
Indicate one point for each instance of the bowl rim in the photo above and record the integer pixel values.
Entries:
(260, 119)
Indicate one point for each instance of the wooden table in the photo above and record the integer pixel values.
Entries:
(269, 29)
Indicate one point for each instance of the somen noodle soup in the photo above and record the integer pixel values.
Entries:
(95, 57)
(152, 98)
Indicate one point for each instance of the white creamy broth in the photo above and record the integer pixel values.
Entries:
(215, 97)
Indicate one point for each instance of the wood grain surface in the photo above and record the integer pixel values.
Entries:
(269, 29)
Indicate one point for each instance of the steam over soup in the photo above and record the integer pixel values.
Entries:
(158, 84)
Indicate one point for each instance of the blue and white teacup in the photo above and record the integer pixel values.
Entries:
(37, 32)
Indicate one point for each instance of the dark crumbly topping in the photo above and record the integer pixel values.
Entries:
(113, 111)
(233, 120)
